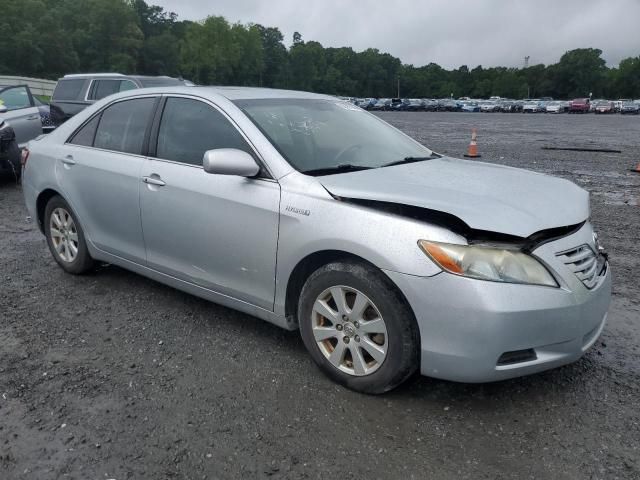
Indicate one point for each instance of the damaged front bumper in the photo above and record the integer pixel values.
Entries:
(481, 331)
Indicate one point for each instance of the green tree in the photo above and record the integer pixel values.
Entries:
(580, 72)
(626, 81)
(275, 57)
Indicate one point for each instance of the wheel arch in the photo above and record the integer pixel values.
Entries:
(41, 204)
(309, 264)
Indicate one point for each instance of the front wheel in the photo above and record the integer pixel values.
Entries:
(65, 237)
(358, 328)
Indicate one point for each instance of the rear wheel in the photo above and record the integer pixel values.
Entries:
(358, 328)
(65, 237)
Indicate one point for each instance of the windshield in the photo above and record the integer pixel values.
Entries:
(314, 134)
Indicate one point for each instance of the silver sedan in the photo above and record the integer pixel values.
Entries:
(312, 214)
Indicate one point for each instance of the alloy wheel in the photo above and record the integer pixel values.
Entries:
(349, 330)
(64, 235)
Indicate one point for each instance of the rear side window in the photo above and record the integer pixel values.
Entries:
(190, 127)
(87, 133)
(69, 89)
(104, 88)
(123, 125)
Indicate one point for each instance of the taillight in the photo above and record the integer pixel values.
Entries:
(24, 157)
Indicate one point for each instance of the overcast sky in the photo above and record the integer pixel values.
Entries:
(448, 32)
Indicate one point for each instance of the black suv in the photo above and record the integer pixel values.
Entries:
(74, 93)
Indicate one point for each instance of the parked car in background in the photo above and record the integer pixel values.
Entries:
(617, 105)
(415, 105)
(470, 107)
(580, 105)
(74, 93)
(604, 106)
(49, 116)
(507, 106)
(630, 107)
(490, 106)
(448, 105)
(467, 271)
(533, 106)
(20, 108)
(365, 102)
(381, 104)
(396, 104)
(9, 150)
(556, 107)
(430, 105)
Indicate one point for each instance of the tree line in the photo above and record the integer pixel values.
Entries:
(49, 38)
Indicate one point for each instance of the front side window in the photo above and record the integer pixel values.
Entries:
(15, 98)
(123, 125)
(316, 134)
(190, 127)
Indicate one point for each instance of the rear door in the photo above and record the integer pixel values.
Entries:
(216, 231)
(22, 113)
(99, 171)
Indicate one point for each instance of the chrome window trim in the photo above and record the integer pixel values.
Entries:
(160, 95)
(108, 151)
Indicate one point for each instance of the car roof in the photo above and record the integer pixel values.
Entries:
(232, 93)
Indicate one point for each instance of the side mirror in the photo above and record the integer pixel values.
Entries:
(3, 109)
(230, 161)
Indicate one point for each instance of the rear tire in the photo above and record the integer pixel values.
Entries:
(65, 237)
(382, 350)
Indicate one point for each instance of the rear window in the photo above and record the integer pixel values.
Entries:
(69, 89)
(160, 82)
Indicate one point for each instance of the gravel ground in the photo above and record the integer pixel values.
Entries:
(113, 376)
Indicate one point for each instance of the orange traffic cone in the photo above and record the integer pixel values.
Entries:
(472, 151)
(637, 169)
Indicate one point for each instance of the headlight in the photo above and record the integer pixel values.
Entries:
(488, 263)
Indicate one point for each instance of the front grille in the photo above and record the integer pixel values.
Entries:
(584, 263)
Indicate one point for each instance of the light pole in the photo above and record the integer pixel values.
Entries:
(398, 86)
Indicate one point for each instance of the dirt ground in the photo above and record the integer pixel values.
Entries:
(113, 376)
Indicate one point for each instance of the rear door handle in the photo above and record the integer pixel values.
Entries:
(68, 160)
(33, 117)
(154, 181)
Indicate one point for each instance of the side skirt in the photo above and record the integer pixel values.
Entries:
(192, 288)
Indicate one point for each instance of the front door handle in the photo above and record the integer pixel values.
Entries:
(153, 181)
(68, 160)
(34, 117)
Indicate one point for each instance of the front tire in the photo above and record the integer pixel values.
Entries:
(65, 237)
(358, 328)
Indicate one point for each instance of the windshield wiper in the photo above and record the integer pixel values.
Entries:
(408, 160)
(342, 168)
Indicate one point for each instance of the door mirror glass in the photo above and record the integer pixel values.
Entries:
(230, 161)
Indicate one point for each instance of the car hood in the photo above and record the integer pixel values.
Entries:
(486, 197)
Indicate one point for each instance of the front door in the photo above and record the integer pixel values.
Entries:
(217, 231)
(22, 113)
